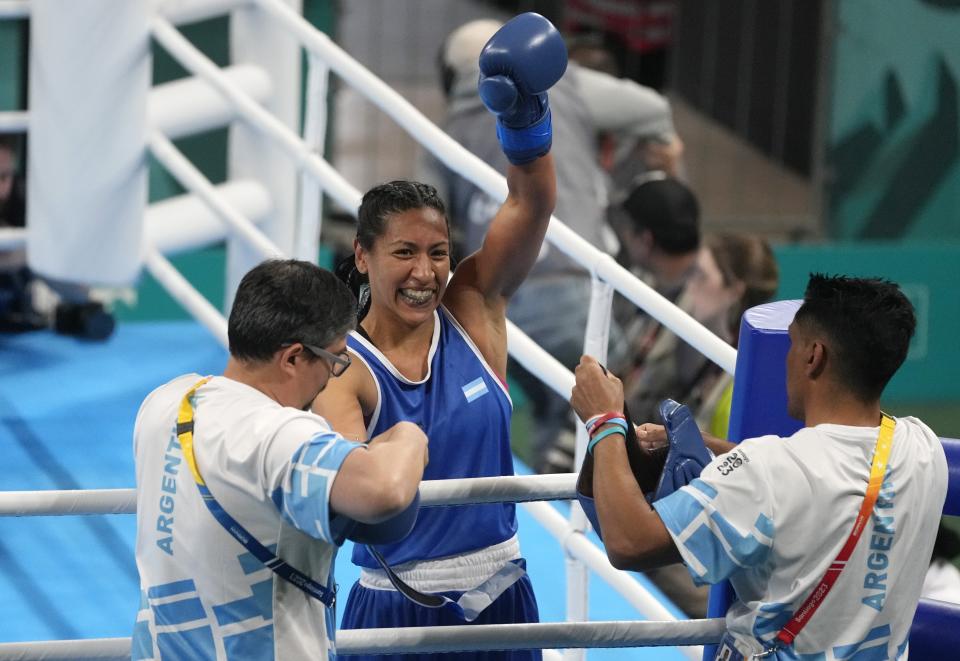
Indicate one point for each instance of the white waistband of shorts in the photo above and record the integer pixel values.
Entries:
(454, 573)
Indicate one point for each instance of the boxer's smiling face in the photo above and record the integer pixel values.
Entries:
(408, 265)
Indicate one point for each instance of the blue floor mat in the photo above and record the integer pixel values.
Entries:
(67, 409)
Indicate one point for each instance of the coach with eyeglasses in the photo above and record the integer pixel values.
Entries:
(244, 495)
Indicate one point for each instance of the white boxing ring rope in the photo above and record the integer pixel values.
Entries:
(256, 115)
(433, 492)
(464, 491)
(193, 180)
(403, 640)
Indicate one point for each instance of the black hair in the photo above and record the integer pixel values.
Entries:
(281, 301)
(391, 198)
(869, 322)
(377, 205)
(668, 210)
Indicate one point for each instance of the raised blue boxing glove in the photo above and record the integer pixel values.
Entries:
(519, 63)
(687, 455)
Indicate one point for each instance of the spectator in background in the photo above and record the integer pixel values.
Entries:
(27, 302)
(658, 224)
(551, 305)
(731, 273)
(734, 273)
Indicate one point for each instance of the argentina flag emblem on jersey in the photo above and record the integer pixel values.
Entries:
(474, 389)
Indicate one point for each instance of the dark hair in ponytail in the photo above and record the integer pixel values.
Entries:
(359, 284)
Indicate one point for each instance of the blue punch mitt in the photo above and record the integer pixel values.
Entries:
(519, 63)
(687, 455)
(646, 466)
(659, 472)
(386, 532)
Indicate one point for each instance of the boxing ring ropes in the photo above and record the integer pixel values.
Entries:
(218, 96)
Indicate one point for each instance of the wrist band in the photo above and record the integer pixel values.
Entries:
(604, 434)
(619, 422)
(598, 420)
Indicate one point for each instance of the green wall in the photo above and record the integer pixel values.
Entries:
(893, 143)
(13, 40)
(927, 272)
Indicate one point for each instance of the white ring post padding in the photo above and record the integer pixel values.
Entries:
(455, 156)
(14, 121)
(191, 11)
(193, 180)
(194, 61)
(12, 238)
(185, 294)
(409, 640)
(89, 75)
(307, 231)
(14, 9)
(186, 222)
(464, 491)
(191, 105)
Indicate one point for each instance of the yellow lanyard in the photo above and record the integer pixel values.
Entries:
(185, 430)
(285, 571)
(878, 469)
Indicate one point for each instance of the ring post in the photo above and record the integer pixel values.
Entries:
(759, 400)
(87, 175)
(252, 153)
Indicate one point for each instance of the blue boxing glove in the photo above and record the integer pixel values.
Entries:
(524, 59)
(659, 472)
(386, 532)
(687, 455)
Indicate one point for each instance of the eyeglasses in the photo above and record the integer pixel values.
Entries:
(339, 362)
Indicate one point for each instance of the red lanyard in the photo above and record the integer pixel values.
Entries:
(880, 456)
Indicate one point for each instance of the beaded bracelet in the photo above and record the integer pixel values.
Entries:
(604, 434)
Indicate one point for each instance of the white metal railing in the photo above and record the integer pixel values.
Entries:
(168, 112)
(193, 180)
(256, 115)
(307, 239)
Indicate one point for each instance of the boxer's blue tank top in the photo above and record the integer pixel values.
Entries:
(465, 412)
